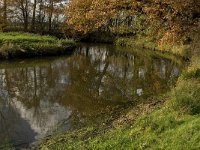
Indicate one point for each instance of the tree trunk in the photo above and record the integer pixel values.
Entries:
(26, 19)
(24, 9)
(50, 15)
(4, 14)
(33, 17)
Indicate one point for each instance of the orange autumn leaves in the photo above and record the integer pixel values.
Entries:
(88, 15)
(168, 19)
(85, 15)
(176, 18)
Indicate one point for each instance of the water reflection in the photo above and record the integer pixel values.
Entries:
(36, 97)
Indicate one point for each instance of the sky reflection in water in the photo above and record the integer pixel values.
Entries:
(37, 96)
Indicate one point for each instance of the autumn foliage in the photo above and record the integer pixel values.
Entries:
(167, 20)
(87, 15)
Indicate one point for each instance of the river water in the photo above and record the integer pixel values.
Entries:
(41, 96)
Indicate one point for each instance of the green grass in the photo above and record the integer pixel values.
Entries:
(27, 45)
(7, 146)
(163, 129)
(168, 127)
(187, 96)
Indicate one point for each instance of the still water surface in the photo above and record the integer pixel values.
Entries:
(40, 96)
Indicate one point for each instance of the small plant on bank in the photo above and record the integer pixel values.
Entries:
(187, 97)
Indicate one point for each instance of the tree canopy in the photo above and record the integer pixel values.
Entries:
(168, 19)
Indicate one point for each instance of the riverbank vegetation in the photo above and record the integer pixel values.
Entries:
(20, 44)
(131, 42)
(172, 122)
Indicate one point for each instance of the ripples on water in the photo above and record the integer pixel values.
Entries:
(38, 95)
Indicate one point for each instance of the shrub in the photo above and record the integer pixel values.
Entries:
(195, 73)
(187, 97)
(129, 42)
(67, 42)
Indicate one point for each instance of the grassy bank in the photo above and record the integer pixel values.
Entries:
(177, 49)
(171, 122)
(14, 45)
(173, 125)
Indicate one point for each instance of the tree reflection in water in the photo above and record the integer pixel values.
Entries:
(38, 95)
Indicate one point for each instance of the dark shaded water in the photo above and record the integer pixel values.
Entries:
(40, 96)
